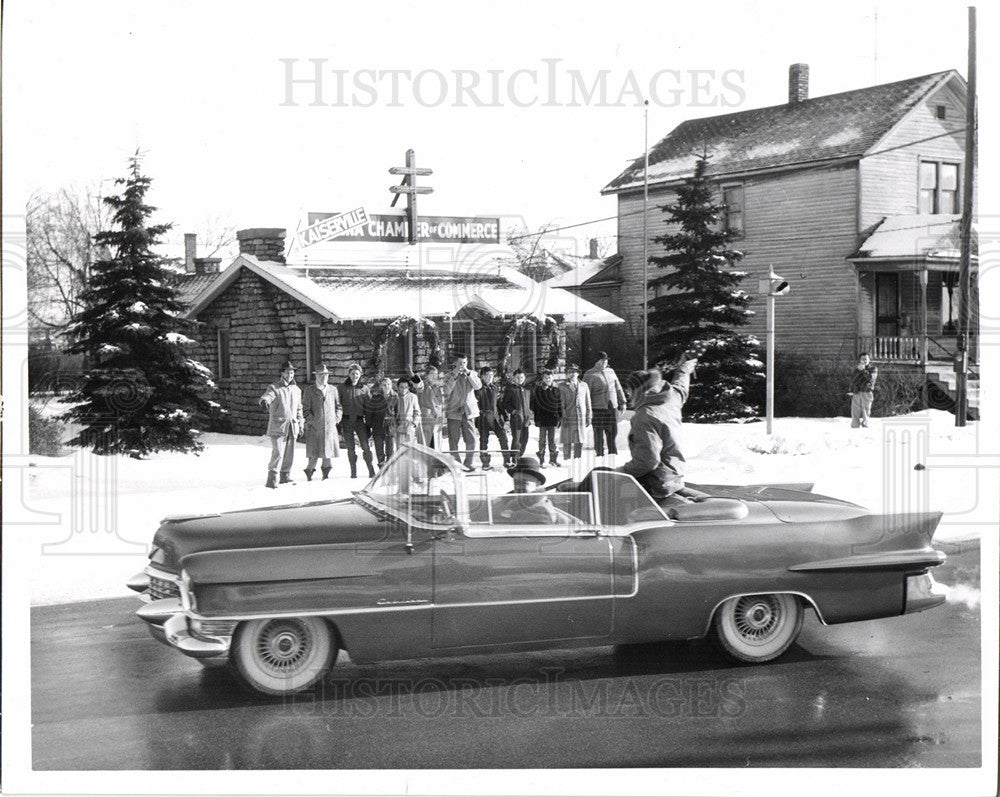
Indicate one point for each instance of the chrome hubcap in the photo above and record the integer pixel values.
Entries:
(283, 646)
(757, 617)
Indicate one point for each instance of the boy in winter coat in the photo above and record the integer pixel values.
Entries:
(353, 395)
(380, 407)
(490, 420)
(862, 391)
(607, 398)
(546, 406)
(516, 405)
(407, 418)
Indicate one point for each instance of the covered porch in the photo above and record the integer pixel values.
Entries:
(908, 294)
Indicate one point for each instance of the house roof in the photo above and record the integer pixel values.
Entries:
(188, 286)
(589, 270)
(837, 126)
(913, 237)
(370, 293)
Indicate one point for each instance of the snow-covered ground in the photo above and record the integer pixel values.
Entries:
(95, 516)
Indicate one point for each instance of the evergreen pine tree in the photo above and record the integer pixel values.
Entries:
(140, 391)
(702, 306)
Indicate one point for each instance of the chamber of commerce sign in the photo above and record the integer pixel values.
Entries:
(377, 228)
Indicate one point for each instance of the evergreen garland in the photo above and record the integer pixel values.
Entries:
(400, 326)
(549, 326)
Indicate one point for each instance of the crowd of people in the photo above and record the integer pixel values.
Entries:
(457, 410)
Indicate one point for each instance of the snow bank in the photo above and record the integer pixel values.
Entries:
(96, 515)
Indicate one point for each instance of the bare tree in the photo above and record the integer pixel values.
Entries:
(61, 226)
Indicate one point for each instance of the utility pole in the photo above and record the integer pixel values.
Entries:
(645, 253)
(964, 269)
(408, 185)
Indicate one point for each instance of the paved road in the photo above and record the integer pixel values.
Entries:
(887, 693)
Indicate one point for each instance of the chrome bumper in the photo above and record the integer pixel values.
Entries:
(923, 592)
(169, 624)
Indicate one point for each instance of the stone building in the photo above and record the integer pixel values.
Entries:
(389, 307)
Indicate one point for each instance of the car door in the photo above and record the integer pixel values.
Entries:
(497, 583)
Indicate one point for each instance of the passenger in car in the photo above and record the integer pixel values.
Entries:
(533, 507)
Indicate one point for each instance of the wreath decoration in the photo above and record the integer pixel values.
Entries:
(548, 326)
(401, 326)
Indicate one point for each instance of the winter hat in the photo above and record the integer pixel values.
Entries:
(643, 380)
(321, 369)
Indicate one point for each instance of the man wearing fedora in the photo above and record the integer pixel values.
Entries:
(532, 507)
(322, 412)
(283, 402)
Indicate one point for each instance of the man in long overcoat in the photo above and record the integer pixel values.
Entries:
(283, 402)
(576, 413)
(322, 412)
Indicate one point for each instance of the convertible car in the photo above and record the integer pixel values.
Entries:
(428, 560)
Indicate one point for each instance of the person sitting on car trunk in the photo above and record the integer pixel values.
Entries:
(654, 439)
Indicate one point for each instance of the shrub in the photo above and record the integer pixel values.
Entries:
(44, 434)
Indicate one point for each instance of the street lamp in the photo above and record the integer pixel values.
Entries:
(772, 286)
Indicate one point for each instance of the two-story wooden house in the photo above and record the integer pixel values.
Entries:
(853, 198)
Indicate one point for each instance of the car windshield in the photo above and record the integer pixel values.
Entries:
(418, 484)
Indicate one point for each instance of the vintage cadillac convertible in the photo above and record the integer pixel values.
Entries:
(428, 560)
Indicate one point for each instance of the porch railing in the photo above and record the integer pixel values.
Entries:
(910, 348)
(894, 347)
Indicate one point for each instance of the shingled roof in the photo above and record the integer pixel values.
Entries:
(833, 127)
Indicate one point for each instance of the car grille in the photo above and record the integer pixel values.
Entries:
(160, 588)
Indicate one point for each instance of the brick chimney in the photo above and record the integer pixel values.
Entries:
(264, 243)
(798, 83)
(207, 265)
(593, 249)
(190, 251)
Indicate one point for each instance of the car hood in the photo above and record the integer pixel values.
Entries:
(315, 523)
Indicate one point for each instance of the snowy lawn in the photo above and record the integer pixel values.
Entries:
(95, 516)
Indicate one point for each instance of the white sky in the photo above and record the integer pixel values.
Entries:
(199, 86)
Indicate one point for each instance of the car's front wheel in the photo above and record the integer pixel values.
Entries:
(280, 656)
(757, 628)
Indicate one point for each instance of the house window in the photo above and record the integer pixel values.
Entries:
(732, 214)
(314, 350)
(942, 111)
(938, 187)
(225, 363)
(400, 359)
(523, 353)
(463, 340)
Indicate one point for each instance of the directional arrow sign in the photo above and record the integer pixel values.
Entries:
(410, 170)
(411, 189)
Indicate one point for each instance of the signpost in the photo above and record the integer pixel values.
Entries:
(772, 286)
(409, 186)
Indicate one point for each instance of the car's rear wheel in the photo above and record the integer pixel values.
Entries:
(280, 656)
(757, 628)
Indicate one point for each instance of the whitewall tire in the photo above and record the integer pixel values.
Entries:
(757, 628)
(283, 655)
